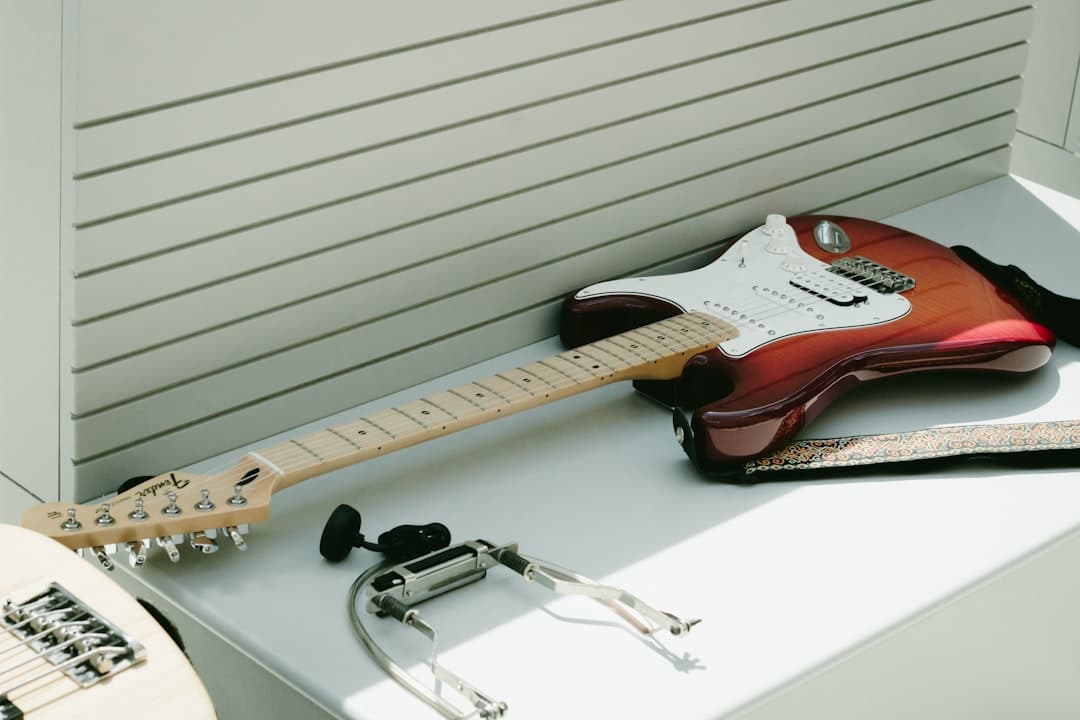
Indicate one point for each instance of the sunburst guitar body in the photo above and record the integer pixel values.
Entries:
(821, 304)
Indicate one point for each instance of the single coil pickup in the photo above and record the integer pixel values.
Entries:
(841, 299)
(871, 274)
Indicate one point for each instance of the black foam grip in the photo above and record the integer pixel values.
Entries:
(392, 607)
(515, 562)
(340, 534)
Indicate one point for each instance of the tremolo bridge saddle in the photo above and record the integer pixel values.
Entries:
(51, 634)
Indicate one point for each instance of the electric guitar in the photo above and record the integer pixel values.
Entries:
(74, 645)
(788, 318)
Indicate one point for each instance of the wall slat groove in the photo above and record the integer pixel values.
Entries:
(104, 463)
(108, 144)
(297, 74)
(185, 177)
(247, 272)
(226, 389)
(186, 225)
(267, 237)
(279, 287)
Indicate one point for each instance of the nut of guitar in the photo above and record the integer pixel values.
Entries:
(74, 644)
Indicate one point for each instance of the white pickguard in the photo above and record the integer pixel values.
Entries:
(754, 287)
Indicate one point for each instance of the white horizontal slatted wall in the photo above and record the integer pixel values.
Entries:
(263, 251)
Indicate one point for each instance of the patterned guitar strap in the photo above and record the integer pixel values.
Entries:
(1029, 444)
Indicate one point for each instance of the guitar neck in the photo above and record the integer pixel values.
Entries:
(653, 352)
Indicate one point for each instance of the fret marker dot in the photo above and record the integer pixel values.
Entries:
(425, 412)
(362, 432)
(479, 394)
(595, 367)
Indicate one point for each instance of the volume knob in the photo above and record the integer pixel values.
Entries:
(781, 235)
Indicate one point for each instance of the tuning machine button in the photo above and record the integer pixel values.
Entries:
(236, 534)
(202, 541)
(137, 552)
(101, 554)
(169, 545)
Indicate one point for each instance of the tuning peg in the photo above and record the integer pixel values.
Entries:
(204, 504)
(236, 534)
(170, 548)
(102, 556)
(137, 551)
(139, 513)
(172, 509)
(238, 498)
(202, 541)
(71, 523)
(104, 519)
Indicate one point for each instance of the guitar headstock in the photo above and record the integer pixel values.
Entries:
(164, 511)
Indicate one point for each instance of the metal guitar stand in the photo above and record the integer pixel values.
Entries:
(394, 590)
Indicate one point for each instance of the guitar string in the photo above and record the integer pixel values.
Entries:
(329, 445)
(325, 446)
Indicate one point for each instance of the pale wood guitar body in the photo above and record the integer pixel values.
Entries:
(163, 686)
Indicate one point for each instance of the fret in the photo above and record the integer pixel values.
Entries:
(308, 450)
(521, 384)
(479, 396)
(668, 334)
(324, 444)
(700, 328)
(393, 423)
(564, 367)
(408, 416)
(429, 411)
(345, 438)
(627, 347)
(582, 362)
(505, 391)
(461, 408)
(592, 350)
(656, 351)
(544, 374)
(364, 432)
(648, 345)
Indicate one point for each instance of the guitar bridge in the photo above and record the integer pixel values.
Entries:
(54, 633)
(871, 274)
